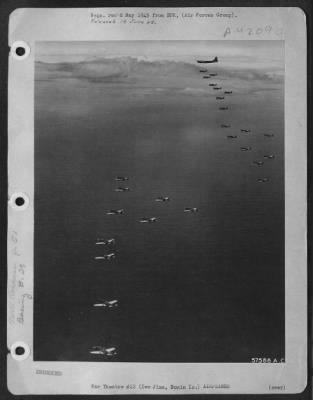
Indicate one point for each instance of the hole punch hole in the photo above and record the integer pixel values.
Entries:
(20, 351)
(20, 50)
(19, 201)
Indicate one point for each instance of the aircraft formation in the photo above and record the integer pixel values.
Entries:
(234, 136)
(107, 244)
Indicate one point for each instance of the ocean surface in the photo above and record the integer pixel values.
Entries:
(206, 286)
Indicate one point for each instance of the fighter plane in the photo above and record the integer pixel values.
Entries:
(269, 156)
(148, 220)
(107, 304)
(107, 257)
(122, 178)
(228, 92)
(103, 351)
(115, 212)
(248, 148)
(232, 137)
(215, 59)
(122, 189)
(269, 134)
(225, 126)
(105, 242)
(262, 180)
(190, 209)
(258, 163)
(223, 108)
(162, 199)
(245, 130)
(220, 98)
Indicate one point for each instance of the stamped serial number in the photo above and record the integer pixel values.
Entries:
(267, 360)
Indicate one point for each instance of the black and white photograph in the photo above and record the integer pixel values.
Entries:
(165, 242)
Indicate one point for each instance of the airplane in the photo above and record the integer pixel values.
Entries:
(223, 108)
(122, 189)
(246, 148)
(213, 74)
(212, 84)
(203, 70)
(215, 59)
(107, 304)
(225, 126)
(258, 163)
(262, 180)
(162, 199)
(103, 351)
(108, 257)
(228, 92)
(121, 178)
(206, 77)
(115, 212)
(269, 156)
(219, 98)
(245, 130)
(232, 137)
(190, 209)
(148, 220)
(269, 134)
(217, 88)
(106, 242)
(111, 351)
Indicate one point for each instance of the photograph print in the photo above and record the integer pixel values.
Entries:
(159, 201)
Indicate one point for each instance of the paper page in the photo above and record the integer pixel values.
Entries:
(157, 201)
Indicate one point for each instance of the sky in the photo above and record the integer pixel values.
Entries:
(266, 49)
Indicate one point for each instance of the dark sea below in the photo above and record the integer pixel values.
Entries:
(206, 286)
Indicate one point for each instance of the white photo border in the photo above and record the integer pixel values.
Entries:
(26, 376)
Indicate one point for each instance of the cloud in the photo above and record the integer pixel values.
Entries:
(157, 73)
(93, 71)
(113, 68)
(253, 73)
(196, 91)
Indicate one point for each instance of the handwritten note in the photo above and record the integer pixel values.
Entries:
(17, 293)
